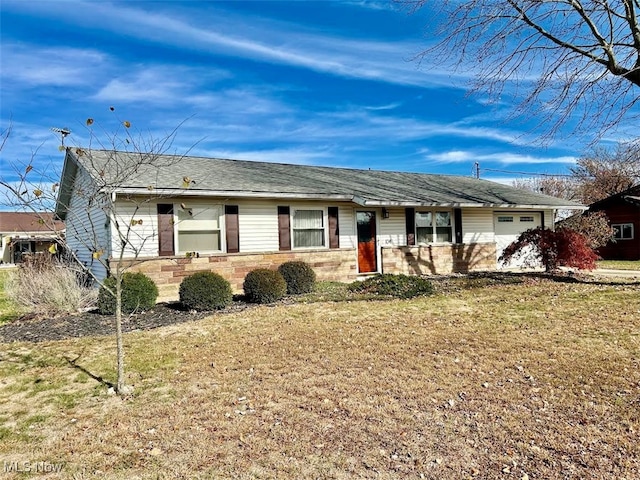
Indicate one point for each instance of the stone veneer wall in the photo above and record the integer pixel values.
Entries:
(168, 272)
(439, 259)
(336, 265)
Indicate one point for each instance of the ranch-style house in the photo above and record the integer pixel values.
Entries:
(176, 215)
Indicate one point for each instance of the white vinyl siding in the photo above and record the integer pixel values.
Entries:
(138, 224)
(477, 225)
(393, 229)
(347, 227)
(87, 227)
(258, 226)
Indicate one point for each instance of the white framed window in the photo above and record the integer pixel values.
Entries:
(434, 227)
(527, 219)
(199, 228)
(505, 219)
(623, 231)
(308, 227)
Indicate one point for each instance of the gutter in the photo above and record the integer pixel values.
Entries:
(356, 199)
(230, 194)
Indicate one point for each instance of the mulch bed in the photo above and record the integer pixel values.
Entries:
(33, 328)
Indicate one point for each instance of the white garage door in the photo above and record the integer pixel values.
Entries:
(507, 228)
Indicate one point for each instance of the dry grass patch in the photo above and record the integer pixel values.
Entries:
(538, 379)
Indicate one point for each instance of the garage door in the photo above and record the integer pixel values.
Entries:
(507, 228)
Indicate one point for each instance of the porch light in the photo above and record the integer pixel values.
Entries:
(385, 213)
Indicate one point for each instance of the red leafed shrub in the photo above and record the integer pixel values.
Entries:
(552, 248)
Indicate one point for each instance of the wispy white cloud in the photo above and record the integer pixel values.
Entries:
(390, 106)
(502, 158)
(38, 66)
(262, 40)
(384, 5)
(299, 155)
(160, 84)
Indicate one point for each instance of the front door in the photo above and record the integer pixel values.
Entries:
(367, 258)
(165, 230)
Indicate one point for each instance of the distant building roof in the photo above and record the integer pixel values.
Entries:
(145, 173)
(631, 195)
(28, 222)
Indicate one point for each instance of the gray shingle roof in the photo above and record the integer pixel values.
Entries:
(216, 176)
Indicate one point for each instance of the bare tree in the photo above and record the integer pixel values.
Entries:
(570, 61)
(89, 206)
(602, 172)
(594, 226)
(559, 186)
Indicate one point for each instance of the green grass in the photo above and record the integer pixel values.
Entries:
(619, 264)
(8, 309)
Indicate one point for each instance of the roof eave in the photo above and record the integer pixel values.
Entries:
(185, 192)
(358, 200)
(511, 206)
(69, 172)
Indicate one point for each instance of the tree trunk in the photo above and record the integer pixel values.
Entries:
(120, 384)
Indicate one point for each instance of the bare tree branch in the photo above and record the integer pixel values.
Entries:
(569, 62)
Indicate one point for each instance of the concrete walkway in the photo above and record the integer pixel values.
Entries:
(605, 272)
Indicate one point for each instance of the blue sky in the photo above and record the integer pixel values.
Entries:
(323, 83)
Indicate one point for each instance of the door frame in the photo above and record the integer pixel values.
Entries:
(377, 249)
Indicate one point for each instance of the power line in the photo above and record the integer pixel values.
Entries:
(533, 174)
(566, 175)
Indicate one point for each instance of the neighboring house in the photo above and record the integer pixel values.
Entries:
(26, 233)
(623, 211)
(188, 214)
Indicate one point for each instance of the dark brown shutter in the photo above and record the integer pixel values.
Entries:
(410, 218)
(284, 228)
(165, 230)
(232, 228)
(457, 222)
(334, 230)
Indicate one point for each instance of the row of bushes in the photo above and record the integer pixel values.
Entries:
(53, 288)
(208, 290)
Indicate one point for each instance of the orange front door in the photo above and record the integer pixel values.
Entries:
(367, 258)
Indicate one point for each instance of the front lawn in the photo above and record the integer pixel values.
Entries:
(8, 309)
(619, 264)
(531, 380)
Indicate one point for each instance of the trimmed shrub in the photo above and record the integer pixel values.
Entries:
(399, 286)
(205, 291)
(44, 285)
(264, 286)
(139, 292)
(299, 276)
